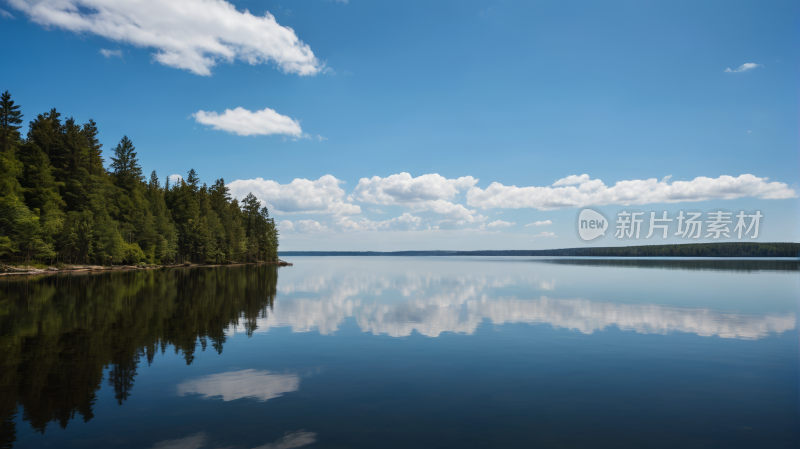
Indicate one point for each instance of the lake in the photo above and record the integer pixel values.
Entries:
(406, 352)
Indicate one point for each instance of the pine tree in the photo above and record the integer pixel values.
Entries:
(10, 122)
(250, 207)
(45, 131)
(192, 180)
(94, 146)
(37, 181)
(125, 165)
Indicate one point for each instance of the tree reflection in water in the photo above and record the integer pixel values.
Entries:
(59, 333)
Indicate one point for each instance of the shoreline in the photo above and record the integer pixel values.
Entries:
(30, 271)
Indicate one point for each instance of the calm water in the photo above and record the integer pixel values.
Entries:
(382, 352)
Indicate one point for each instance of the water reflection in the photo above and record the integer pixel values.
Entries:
(460, 303)
(59, 333)
(64, 337)
(249, 383)
(295, 439)
(200, 439)
(195, 441)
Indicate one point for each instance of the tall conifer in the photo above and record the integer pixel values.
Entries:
(10, 122)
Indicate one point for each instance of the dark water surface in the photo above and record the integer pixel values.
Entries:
(405, 352)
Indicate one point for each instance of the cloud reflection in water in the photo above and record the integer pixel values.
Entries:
(249, 383)
(200, 440)
(460, 303)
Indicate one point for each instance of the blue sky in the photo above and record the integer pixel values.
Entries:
(517, 93)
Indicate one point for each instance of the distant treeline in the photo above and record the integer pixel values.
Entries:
(727, 249)
(59, 203)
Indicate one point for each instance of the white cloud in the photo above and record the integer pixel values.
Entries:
(403, 189)
(743, 68)
(496, 224)
(323, 196)
(247, 123)
(175, 179)
(595, 192)
(111, 53)
(539, 223)
(424, 193)
(249, 383)
(303, 227)
(375, 211)
(405, 222)
(571, 180)
(454, 212)
(192, 35)
(6, 15)
(545, 234)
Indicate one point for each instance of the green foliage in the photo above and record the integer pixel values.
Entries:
(125, 165)
(58, 203)
(133, 254)
(10, 122)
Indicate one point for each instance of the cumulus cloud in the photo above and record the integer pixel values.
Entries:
(403, 189)
(405, 222)
(429, 192)
(648, 191)
(496, 224)
(539, 223)
(175, 179)
(375, 211)
(452, 212)
(545, 234)
(6, 15)
(743, 68)
(571, 180)
(303, 227)
(323, 196)
(111, 53)
(247, 123)
(192, 35)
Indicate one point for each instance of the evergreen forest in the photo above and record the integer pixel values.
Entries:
(61, 201)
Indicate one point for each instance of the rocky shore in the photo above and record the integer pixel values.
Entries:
(9, 270)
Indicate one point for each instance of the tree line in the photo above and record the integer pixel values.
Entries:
(721, 249)
(60, 203)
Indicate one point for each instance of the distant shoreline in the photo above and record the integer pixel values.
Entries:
(727, 249)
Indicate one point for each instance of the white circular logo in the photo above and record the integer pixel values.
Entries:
(591, 224)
